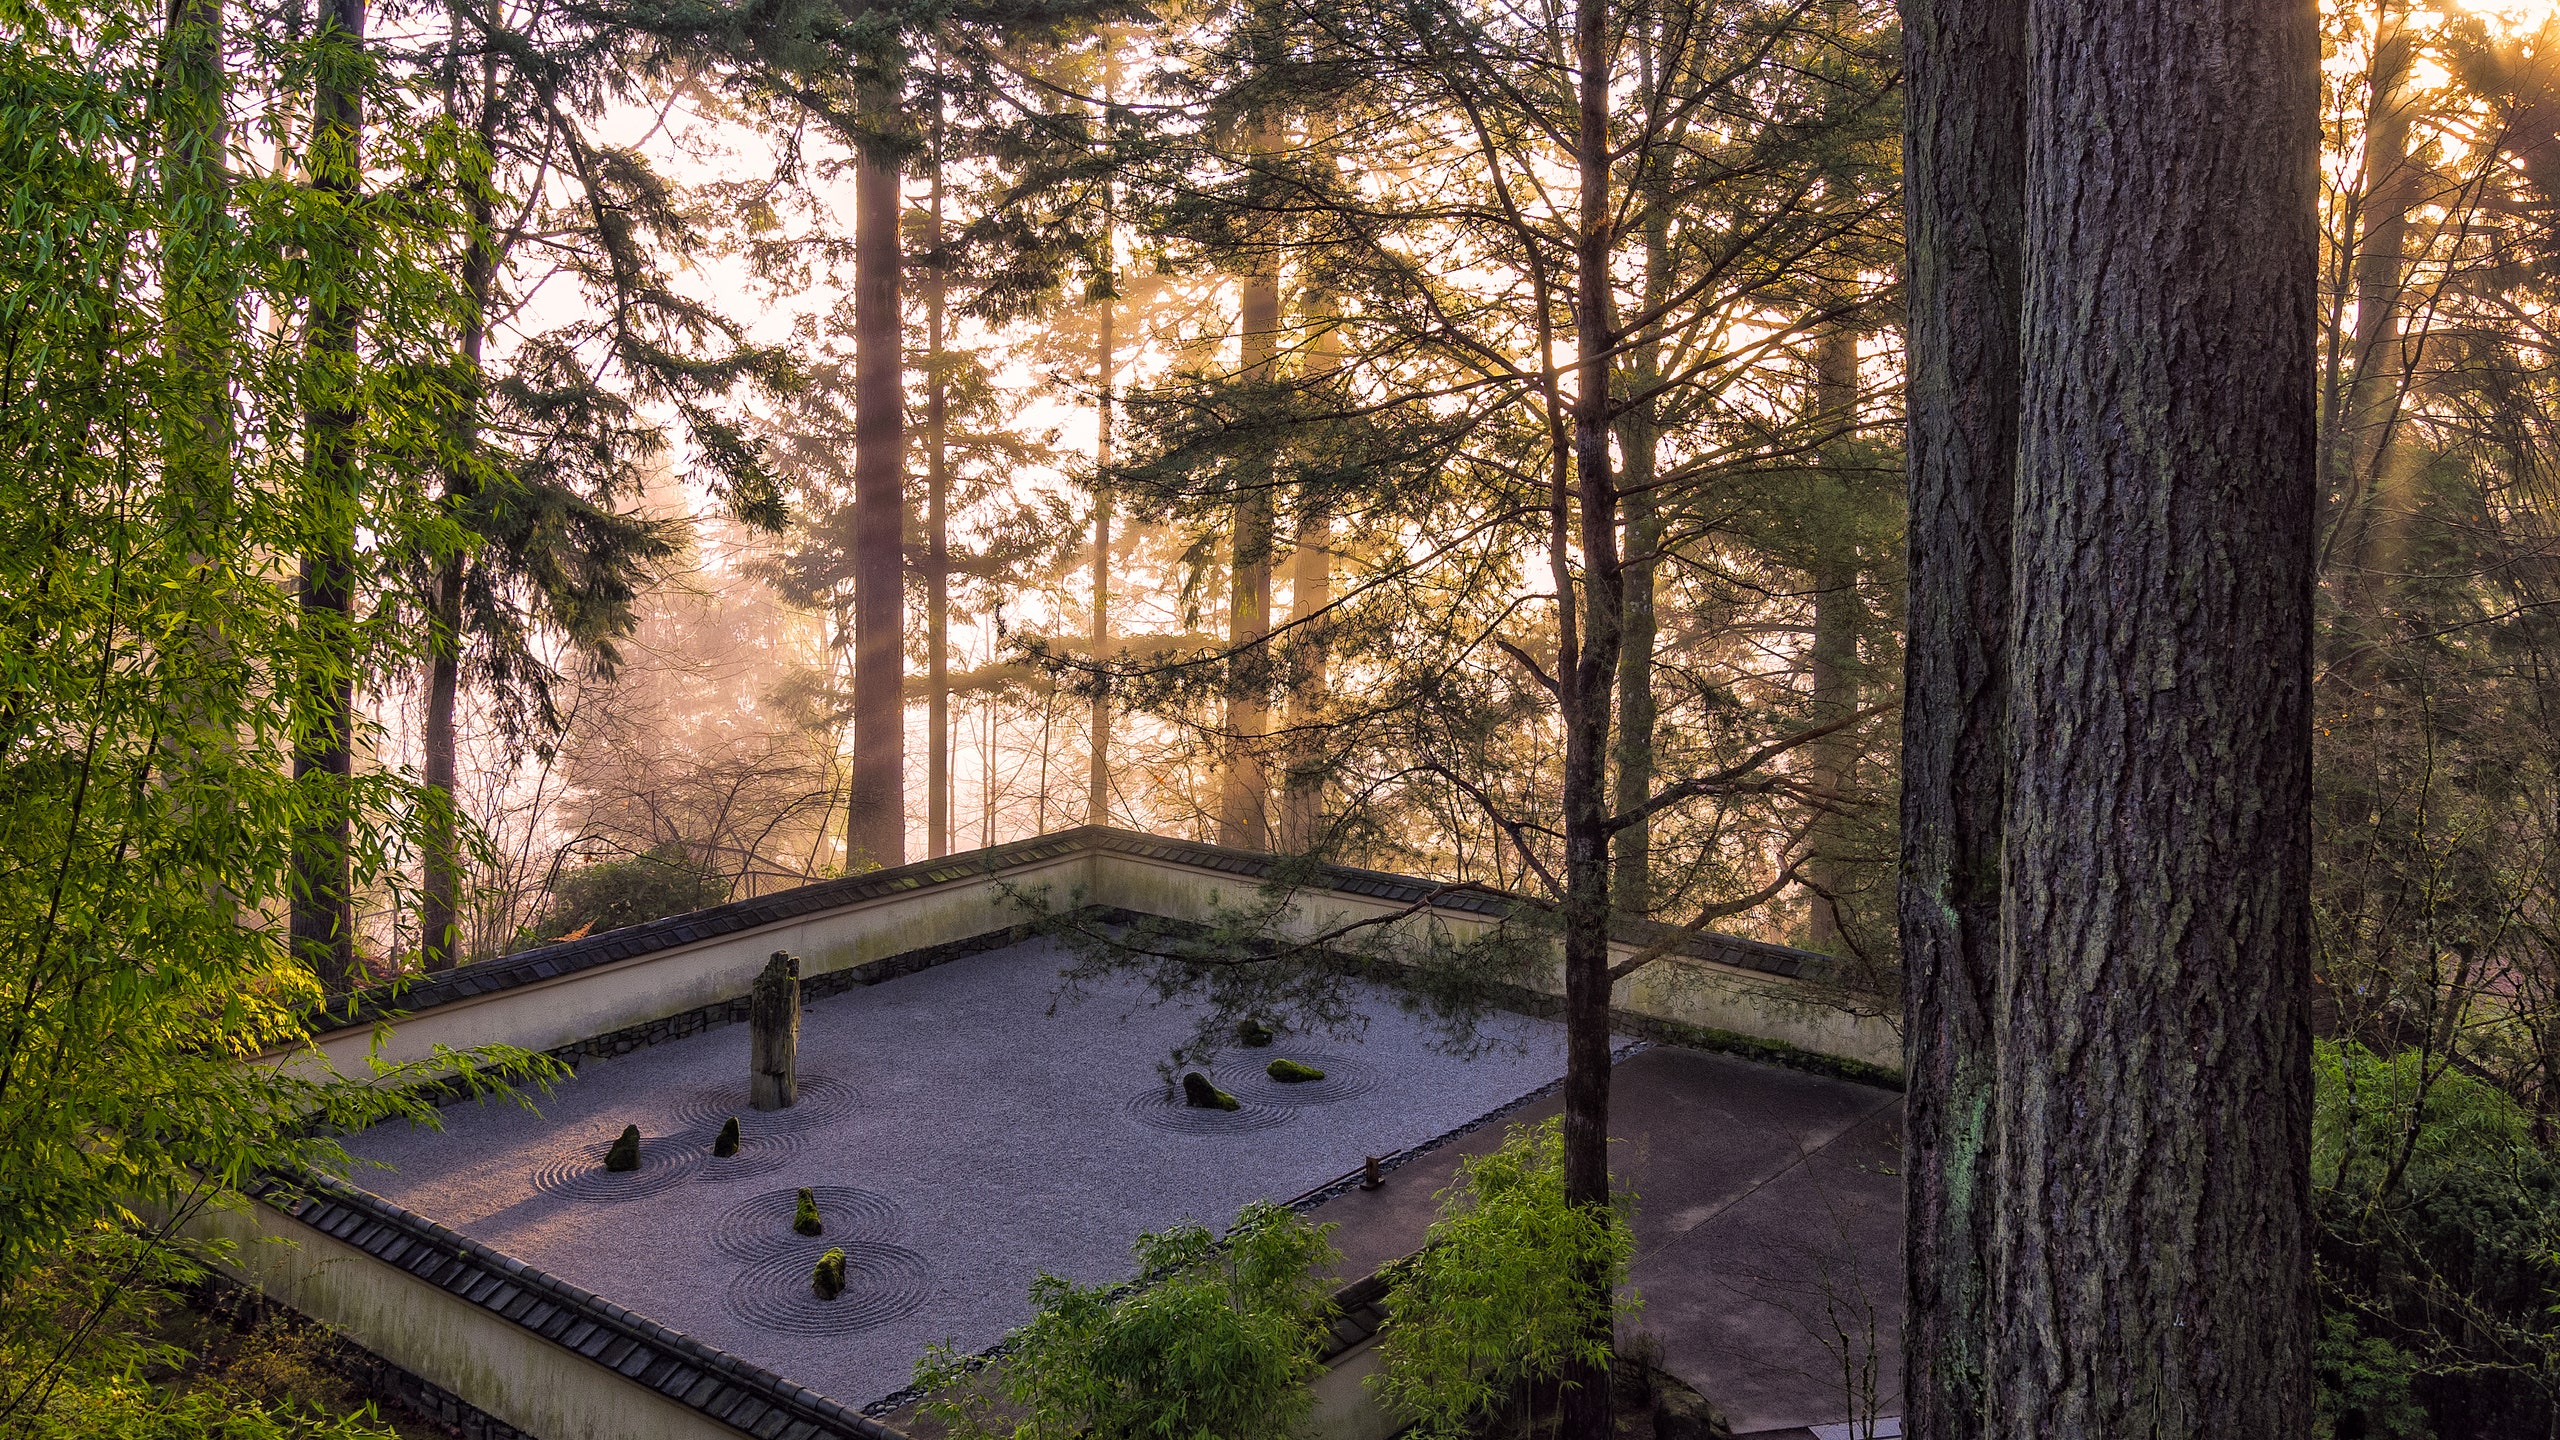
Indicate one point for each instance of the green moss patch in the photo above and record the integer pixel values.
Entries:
(804, 1215)
(625, 1154)
(1199, 1094)
(1290, 1072)
(828, 1278)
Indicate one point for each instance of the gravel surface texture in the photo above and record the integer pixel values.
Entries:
(973, 1126)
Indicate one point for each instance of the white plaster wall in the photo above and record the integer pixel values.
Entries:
(540, 1388)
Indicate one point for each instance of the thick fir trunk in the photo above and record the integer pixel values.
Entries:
(323, 911)
(937, 524)
(876, 827)
(1244, 791)
(1834, 654)
(440, 894)
(1586, 668)
(2153, 1100)
(1964, 169)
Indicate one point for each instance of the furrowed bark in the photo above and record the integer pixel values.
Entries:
(322, 922)
(2153, 1105)
(1964, 162)
(876, 826)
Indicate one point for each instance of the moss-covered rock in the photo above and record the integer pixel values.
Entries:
(727, 1144)
(1254, 1034)
(625, 1154)
(828, 1278)
(1290, 1072)
(1199, 1094)
(804, 1215)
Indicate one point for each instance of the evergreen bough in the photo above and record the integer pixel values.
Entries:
(804, 1215)
(727, 1144)
(828, 1278)
(1199, 1094)
(625, 1154)
(1290, 1072)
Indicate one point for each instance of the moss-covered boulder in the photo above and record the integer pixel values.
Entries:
(828, 1278)
(1199, 1094)
(1290, 1072)
(1254, 1034)
(727, 1144)
(804, 1215)
(625, 1151)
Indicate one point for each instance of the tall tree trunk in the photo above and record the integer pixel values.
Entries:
(1964, 171)
(876, 823)
(2371, 471)
(1834, 653)
(1302, 826)
(1244, 789)
(2154, 1095)
(1097, 788)
(198, 294)
(937, 524)
(323, 912)
(1586, 667)
(1639, 441)
(440, 896)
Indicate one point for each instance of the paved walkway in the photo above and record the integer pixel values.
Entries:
(1768, 1232)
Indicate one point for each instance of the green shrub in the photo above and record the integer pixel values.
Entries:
(727, 1144)
(804, 1215)
(1253, 1034)
(1290, 1072)
(1199, 1094)
(609, 894)
(1211, 1341)
(1483, 1315)
(828, 1278)
(625, 1153)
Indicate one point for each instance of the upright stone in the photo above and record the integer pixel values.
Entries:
(773, 1023)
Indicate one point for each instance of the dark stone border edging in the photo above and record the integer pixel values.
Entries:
(718, 1385)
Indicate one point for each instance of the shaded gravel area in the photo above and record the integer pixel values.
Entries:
(977, 1129)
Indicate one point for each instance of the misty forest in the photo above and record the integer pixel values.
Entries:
(2054, 505)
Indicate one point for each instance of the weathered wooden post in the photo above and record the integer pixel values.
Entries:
(773, 1024)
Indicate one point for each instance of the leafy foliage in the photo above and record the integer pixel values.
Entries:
(609, 894)
(1213, 1342)
(1479, 1317)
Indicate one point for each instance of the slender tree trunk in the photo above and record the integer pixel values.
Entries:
(2371, 471)
(1834, 654)
(1586, 667)
(1302, 824)
(937, 526)
(198, 293)
(1097, 790)
(323, 912)
(1244, 790)
(1639, 439)
(1964, 170)
(440, 897)
(876, 825)
(2154, 1094)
